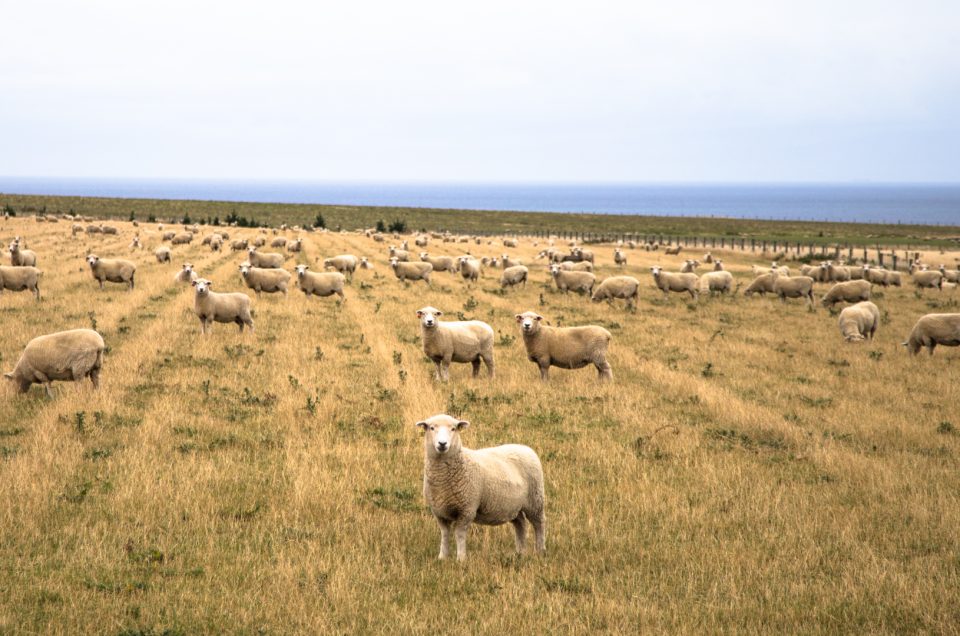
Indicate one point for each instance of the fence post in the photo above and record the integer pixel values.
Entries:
(880, 258)
(753, 245)
(894, 261)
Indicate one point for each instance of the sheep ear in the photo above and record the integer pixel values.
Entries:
(461, 424)
(902, 344)
(422, 425)
(438, 312)
(519, 318)
(419, 315)
(193, 283)
(538, 318)
(9, 376)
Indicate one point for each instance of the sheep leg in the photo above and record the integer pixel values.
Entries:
(520, 528)
(436, 363)
(444, 538)
(488, 360)
(101, 283)
(95, 377)
(445, 367)
(460, 532)
(475, 363)
(539, 523)
(604, 372)
(544, 372)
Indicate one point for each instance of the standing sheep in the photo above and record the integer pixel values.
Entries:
(346, 264)
(625, 287)
(859, 321)
(928, 279)
(718, 265)
(411, 271)
(20, 279)
(932, 330)
(669, 282)
(264, 260)
(470, 268)
(21, 257)
(576, 281)
(794, 287)
(67, 356)
(516, 275)
(321, 284)
(689, 266)
(269, 281)
(279, 242)
(489, 486)
(851, 291)
(185, 275)
(761, 284)
(455, 341)
(619, 258)
(213, 307)
(113, 270)
(162, 254)
(716, 281)
(566, 347)
(440, 263)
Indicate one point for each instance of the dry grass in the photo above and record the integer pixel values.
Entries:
(745, 471)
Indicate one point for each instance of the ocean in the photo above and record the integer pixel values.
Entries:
(932, 204)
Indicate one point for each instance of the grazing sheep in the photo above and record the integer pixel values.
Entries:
(295, 246)
(506, 261)
(566, 347)
(836, 273)
(718, 265)
(184, 238)
(716, 281)
(421, 241)
(851, 291)
(321, 284)
(669, 282)
(509, 242)
(20, 279)
(93, 229)
(489, 486)
(365, 264)
(213, 307)
(440, 263)
(346, 264)
(672, 251)
(168, 236)
(264, 260)
(269, 281)
(108, 229)
(576, 281)
(378, 237)
(411, 271)
(162, 254)
(689, 266)
(259, 242)
(401, 255)
(516, 275)
(21, 257)
(279, 242)
(67, 356)
(794, 287)
(874, 276)
(470, 268)
(932, 330)
(950, 275)
(761, 284)
(625, 287)
(928, 279)
(859, 321)
(238, 245)
(455, 341)
(619, 258)
(570, 266)
(893, 278)
(185, 275)
(113, 270)
(75, 229)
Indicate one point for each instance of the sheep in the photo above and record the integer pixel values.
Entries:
(378, 237)
(779, 270)
(506, 261)
(516, 275)
(185, 275)
(213, 307)
(625, 287)
(135, 244)
(455, 341)
(859, 321)
(440, 263)
(928, 279)
(856, 272)
(346, 264)
(576, 281)
(716, 281)
(582, 266)
(708, 258)
(794, 287)
(280, 242)
(851, 291)
(509, 242)
(108, 229)
(761, 284)
(619, 258)
(264, 280)
(295, 246)
(932, 330)
(20, 279)
(668, 282)
(93, 229)
(239, 245)
(470, 268)
(421, 241)
(259, 242)
(401, 255)
(564, 347)
(718, 265)
(184, 238)
(689, 267)
(265, 260)
(489, 486)
(321, 284)
(411, 271)
(113, 270)
(893, 278)
(580, 254)
(874, 276)
(75, 229)
(950, 275)
(168, 236)
(672, 251)
(837, 273)
(365, 264)
(21, 257)
(68, 356)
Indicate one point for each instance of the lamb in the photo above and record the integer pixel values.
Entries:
(321, 284)
(66, 355)
(440, 263)
(184, 238)
(455, 341)
(264, 260)
(489, 486)
(401, 255)
(576, 281)
(185, 275)
(929, 279)
(268, 281)
(470, 268)
(716, 281)
(669, 282)
(672, 251)
(625, 287)
(761, 284)
(411, 271)
(932, 330)
(570, 266)
(21, 257)
(619, 258)
(516, 275)
(20, 279)
(295, 246)
(851, 291)
(213, 307)
(689, 266)
(566, 347)
(794, 287)
(279, 242)
(859, 321)
(346, 264)
(113, 270)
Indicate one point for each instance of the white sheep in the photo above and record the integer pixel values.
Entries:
(265, 260)
(489, 486)
(440, 263)
(21, 257)
(571, 266)
(625, 287)
(761, 284)
(365, 264)
(455, 341)
(619, 258)
(932, 330)
(718, 265)
(689, 266)
(213, 307)
(793, 287)
(20, 279)
(321, 284)
(506, 261)
(851, 291)
(566, 348)
(346, 264)
(670, 282)
(186, 275)
(411, 271)
(400, 254)
(576, 281)
(859, 321)
(516, 275)
(928, 279)
(268, 281)
(64, 356)
(280, 242)
(113, 270)
(716, 281)
(184, 238)
(470, 268)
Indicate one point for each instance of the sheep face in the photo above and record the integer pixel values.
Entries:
(428, 317)
(202, 286)
(554, 269)
(442, 433)
(244, 270)
(301, 270)
(92, 260)
(655, 270)
(529, 322)
(394, 262)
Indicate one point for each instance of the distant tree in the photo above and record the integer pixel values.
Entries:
(398, 225)
(380, 226)
(8, 209)
(319, 221)
(216, 220)
(151, 218)
(186, 219)
(133, 217)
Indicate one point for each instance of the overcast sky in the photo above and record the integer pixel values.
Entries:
(740, 90)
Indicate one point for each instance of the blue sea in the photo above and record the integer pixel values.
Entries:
(934, 204)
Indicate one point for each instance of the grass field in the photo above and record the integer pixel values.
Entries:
(745, 471)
